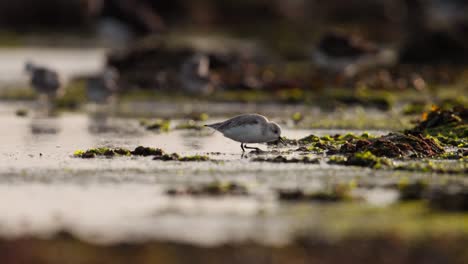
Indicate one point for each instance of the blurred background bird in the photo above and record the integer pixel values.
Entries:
(195, 75)
(101, 92)
(350, 54)
(46, 82)
(102, 88)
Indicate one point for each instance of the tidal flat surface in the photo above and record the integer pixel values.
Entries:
(46, 189)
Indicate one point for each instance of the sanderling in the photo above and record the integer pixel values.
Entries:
(102, 87)
(249, 128)
(44, 80)
(348, 54)
(195, 75)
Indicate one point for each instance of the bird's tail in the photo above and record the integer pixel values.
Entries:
(215, 125)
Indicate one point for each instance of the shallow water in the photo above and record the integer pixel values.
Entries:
(123, 199)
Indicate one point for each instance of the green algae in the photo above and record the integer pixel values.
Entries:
(449, 127)
(111, 152)
(177, 157)
(103, 151)
(216, 188)
(327, 143)
(338, 160)
(147, 151)
(460, 154)
(361, 159)
(297, 117)
(157, 153)
(415, 108)
(367, 159)
(333, 139)
(282, 159)
(162, 125)
(309, 139)
(189, 125)
(167, 157)
(455, 136)
(336, 193)
(394, 145)
(194, 158)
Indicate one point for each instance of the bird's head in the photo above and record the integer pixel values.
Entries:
(29, 66)
(273, 131)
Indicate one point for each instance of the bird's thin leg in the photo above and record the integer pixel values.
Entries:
(242, 147)
(257, 149)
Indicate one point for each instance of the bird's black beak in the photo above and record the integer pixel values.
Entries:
(280, 139)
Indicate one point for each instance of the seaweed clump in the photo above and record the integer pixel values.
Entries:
(167, 157)
(395, 145)
(327, 143)
(211, 189)
(362, 159)
(161, 125)
(449, 127)
(147, 151)
(337, 193)
(438, 128)
(177, 157)
(158, 154)
(194, 158)
(105, 152)
(190, 125)
(111, 152)
(437, 119)
(282, 159)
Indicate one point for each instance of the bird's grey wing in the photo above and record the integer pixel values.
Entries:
(53, 79)
(38, 77)
(240, 120)
(45, 79)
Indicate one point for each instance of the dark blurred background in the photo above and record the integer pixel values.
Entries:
(422, 30)
(375, 43)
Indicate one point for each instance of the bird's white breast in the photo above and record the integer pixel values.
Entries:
(246, 133)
